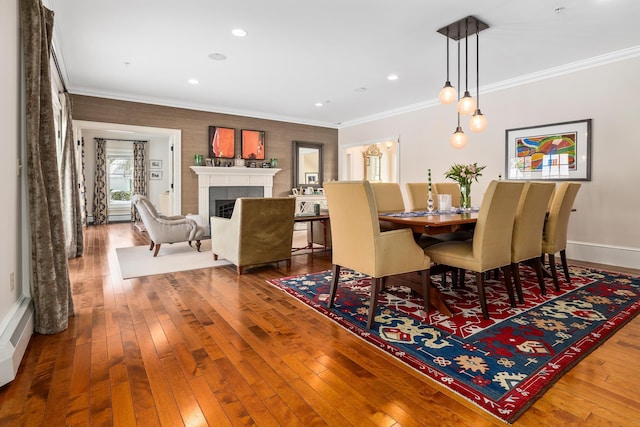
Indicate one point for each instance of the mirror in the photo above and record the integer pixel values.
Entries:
(372, 158)
(307, 165)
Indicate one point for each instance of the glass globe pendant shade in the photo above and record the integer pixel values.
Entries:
(458, 139)
(447, 94)
(478, 122)
(466, 105)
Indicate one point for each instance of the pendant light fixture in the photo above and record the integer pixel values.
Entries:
(448, 93)
(478, 122)
(466, 105)
(458, 139)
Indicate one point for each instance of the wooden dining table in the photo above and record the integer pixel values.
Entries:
(432, 223)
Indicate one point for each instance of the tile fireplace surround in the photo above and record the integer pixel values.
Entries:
(238, 176)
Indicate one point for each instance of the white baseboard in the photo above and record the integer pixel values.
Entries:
(620, 256)
(14, 339)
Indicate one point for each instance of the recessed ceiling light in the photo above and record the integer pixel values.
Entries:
(319, 104)
(392, 77)
(217, 56)
(238, 32)
(361, 89)
(193, 81)
(559, 10)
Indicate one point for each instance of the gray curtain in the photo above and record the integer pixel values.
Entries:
(50, 286)
(140, 182)
(72, 213)
(83, 184)
(100, 200)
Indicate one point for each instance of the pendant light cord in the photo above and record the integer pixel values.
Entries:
(477, 68)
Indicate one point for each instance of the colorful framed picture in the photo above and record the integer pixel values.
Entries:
(253, 144)
(556, 152)
(222, 142)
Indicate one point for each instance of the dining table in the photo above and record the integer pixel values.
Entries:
(433, 223)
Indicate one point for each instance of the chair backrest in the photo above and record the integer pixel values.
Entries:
(354, 223)
(446, 188)
(263, 219)
(494, 227)
(143, 201)
(418, 193)
(554, 238)
(388, 196)
(529, 221)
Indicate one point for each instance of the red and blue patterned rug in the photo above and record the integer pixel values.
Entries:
(503, 364)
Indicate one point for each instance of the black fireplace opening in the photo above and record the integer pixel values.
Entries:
(223, 199)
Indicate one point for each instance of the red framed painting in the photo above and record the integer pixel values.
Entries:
(253, 146)
(222, 142)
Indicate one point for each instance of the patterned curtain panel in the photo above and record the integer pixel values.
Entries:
(72, 213)
(140, 182)
(83, 184)
(100, 200)
(50, 286)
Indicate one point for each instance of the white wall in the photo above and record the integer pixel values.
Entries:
(603, 228)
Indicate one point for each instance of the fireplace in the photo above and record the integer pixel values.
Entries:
(222, 199)
(232, 177)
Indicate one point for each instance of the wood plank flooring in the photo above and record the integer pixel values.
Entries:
(209, 347)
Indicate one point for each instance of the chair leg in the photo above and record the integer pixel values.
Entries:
(151, 245)
(483, 301)
(425, 275)
(215, 257)
(507, 282)
(565, 266)
(157, 249)
(288, 262)
(240, 270)
(554, 273)
(373, 303)
(515, 269)
(538, 266)
(461, 279)
(334, 284)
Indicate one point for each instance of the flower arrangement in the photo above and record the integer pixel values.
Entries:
(464, 175)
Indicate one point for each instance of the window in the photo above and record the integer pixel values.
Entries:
(120, 180)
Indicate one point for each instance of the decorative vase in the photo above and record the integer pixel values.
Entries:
(465, 196)
(430, 202)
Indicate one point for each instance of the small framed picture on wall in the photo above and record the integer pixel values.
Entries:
(155, 175)
(155, 164)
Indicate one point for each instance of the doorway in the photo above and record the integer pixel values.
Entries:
(355, 161)
(164, 157)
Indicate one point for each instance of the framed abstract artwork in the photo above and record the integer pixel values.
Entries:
(253, 144)
(222, 142)
(556, 152)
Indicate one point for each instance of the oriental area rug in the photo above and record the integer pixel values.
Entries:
(503, 364)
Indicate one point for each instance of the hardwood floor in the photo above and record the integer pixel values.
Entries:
(210, 347)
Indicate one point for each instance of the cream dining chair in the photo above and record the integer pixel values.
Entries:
(526, 243)
(388, 197)
(359, 244)
(418, 193)
(554, 238)
(491, 244)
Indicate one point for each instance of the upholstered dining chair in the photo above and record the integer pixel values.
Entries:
(554, 238)
(490, 247)
(359, 244)
(418, 193)
(446, 188)
(260, 231)
(526, 243)
(166, 229)
(388, 197)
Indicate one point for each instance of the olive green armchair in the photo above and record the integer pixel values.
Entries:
(260, 231)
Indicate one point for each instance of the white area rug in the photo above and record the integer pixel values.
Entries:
(139, 260)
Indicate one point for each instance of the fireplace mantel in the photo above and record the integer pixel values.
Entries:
(212, 176)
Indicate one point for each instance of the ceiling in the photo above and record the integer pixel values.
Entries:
(298, 53)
